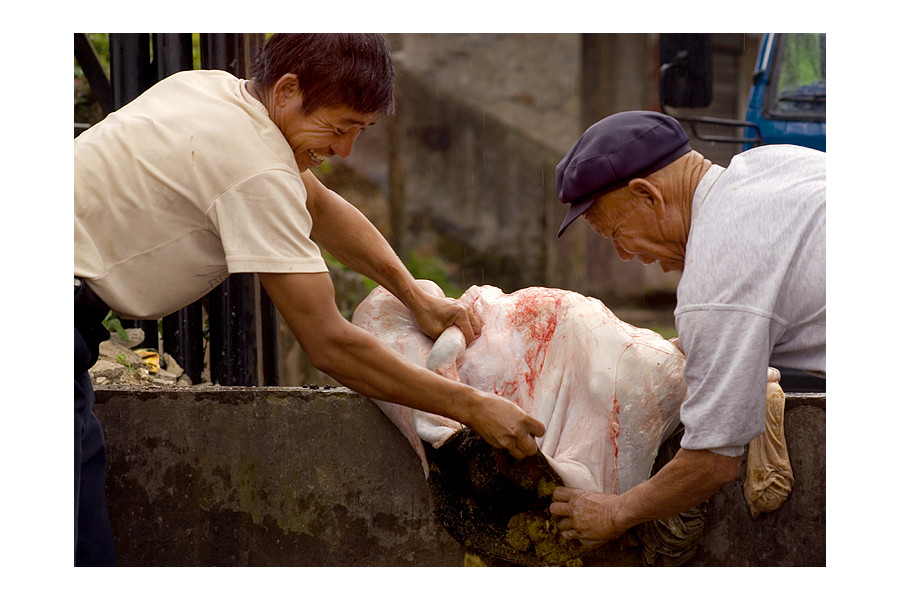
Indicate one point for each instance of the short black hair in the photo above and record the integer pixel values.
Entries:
(333, 69)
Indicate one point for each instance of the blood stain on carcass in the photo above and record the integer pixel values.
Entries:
(613, 427)
(535, 316)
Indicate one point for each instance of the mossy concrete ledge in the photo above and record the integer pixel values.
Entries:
(320, 477)
(264, 476)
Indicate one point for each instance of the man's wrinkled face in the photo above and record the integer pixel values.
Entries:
(322, 133)
(639, 229)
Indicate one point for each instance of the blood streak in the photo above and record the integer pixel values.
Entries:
(613, 428)
(536, 314)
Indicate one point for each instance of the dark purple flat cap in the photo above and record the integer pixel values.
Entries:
(614, 151)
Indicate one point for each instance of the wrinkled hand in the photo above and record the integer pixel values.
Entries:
(504, 425)
(436, 313)
(586, 516)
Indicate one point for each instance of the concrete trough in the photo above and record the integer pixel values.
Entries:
(320, 477)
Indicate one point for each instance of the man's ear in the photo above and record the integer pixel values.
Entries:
(285, 88)
(645, 191)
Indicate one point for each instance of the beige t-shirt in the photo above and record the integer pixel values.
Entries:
(189, 182)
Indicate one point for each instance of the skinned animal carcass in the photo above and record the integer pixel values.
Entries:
(607, 392)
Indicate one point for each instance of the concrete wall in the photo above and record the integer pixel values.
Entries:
(320, 477)
(482, 121)
(264, 476)
(476, 190)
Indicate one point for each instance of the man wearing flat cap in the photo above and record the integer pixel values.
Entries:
(750, 242)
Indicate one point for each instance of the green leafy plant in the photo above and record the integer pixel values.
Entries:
(123, 360)
(112, 323)
(427, 266)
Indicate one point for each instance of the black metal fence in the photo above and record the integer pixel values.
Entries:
(242, 333)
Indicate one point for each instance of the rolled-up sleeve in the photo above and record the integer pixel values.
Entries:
(727, 352)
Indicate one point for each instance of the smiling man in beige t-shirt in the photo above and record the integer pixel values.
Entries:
(205, 175)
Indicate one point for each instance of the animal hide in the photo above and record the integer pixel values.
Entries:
(607, 392)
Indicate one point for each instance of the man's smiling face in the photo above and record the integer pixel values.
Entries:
(317, 134)
(322, 133)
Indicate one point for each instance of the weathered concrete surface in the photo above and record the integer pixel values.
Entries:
(264, 476)
(317, 477)
(482, 121)
(793, 535)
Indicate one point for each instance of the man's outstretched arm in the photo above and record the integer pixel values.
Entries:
(359, 360)
(352, 239)
(690, 478)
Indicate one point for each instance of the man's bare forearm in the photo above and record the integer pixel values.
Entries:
(689, 479)
(349, 236)
(360, 361)
(355, 242)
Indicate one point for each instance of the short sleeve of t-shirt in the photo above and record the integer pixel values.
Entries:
(265, 226)
(727, 350)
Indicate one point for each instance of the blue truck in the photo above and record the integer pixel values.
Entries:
(786, 103)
